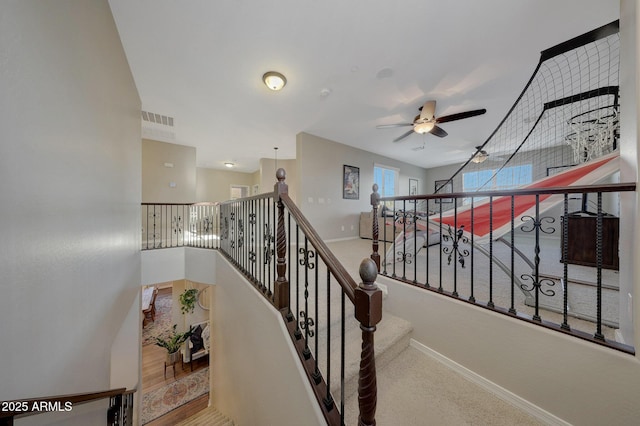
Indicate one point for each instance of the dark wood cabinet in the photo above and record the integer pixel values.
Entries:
(582, 241)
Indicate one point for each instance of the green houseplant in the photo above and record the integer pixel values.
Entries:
(188, 300)
(173, 343)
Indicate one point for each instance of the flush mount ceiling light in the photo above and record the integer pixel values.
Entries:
(274, 80)
(229, 165)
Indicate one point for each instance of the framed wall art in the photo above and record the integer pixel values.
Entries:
(447, 189)
(350, 182)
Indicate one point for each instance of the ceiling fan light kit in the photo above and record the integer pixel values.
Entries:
(423, 128)
(274, 80)
(427, 122)
(479, 156)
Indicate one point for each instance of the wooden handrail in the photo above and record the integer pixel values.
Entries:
(75, 399)
(333, 265)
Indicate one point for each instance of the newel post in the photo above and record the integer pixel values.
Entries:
(368, 301)
(375, 202)
(281, 287)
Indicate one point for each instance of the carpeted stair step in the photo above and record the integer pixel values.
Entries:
(391, 338)
(210, 416)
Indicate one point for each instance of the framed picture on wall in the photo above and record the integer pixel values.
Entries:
(446, 189)
(350, 182)
(413, 188)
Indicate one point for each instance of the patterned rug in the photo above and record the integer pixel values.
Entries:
(162, 324)
(174, 394)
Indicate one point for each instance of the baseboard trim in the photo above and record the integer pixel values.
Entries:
(333, 240)
(497, 390)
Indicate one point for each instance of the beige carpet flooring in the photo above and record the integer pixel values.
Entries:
(416, 390)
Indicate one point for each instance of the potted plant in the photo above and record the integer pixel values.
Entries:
(173, 343)
(188, 300)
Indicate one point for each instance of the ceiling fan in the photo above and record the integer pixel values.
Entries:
(427, 122)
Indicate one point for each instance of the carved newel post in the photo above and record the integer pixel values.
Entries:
(375, 202)
(368, 301)
(281, 287)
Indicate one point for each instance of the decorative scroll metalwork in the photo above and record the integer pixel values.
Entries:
(454, 249)
(232, 242)
(252, 251)
(177, 225)
(403, 256)
(224, 234)
(240, 233)
(537, 284)
(307, 323)
(268, 244)
(537, 224)
(306, 260)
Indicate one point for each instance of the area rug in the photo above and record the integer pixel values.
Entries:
(161, 327)
(160, 401)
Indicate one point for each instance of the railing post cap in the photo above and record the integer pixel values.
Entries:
(368, 271)
(375, 187)
(281, 174)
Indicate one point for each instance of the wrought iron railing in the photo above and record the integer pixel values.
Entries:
(554, 266)
(178, 225)
(269, 240)
(119, 413)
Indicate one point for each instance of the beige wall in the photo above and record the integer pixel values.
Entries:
(257, 377)
(70, 168)
(268, 175)
(215, 185)
(320, 163)
(168, 172)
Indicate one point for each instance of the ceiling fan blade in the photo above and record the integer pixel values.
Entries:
(428, 110)
(399, 138)
(460, 115)
(388, 126)
(438, 131)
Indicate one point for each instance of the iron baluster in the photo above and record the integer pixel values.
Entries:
(512, 308)
(565, 266)
(598, 335)
(490, 303)
(472, 298)
(328, 399)
(307, 322)
(536, 282)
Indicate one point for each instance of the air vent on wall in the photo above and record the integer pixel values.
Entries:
(152, 117)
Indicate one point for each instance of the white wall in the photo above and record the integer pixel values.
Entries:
(70, 166)
(159, 266)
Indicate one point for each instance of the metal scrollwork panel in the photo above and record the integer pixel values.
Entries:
(455, 250)
(268, 244)
(307, 323)
(534, 224)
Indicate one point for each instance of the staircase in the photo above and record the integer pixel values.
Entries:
(210, 416)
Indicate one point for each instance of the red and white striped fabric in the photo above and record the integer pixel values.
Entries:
(585, 174)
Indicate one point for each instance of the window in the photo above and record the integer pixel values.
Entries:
(507, 178)
(388, 181)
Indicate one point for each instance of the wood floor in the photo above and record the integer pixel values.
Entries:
(153, 378)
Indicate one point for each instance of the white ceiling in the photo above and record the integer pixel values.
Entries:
(201, 62)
